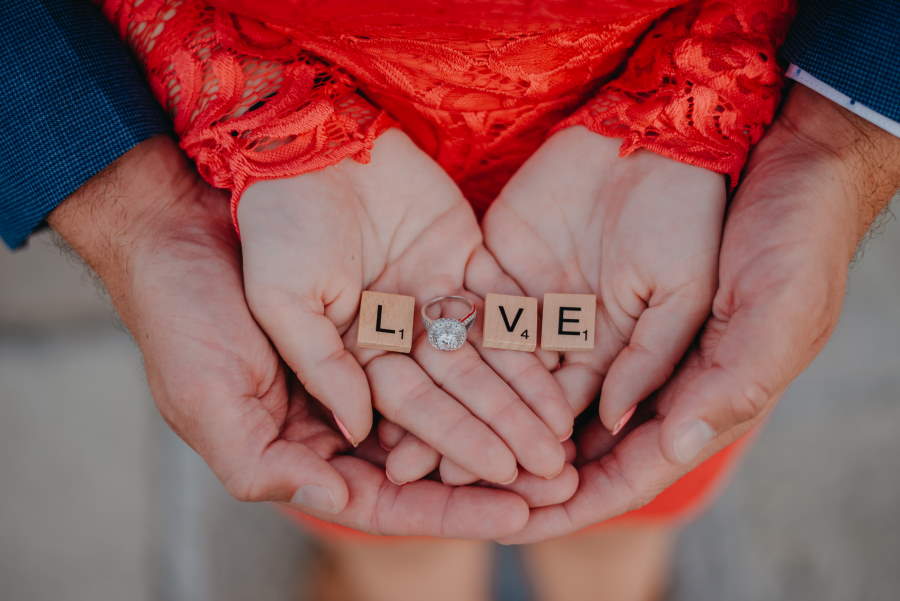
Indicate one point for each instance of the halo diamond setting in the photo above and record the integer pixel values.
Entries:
(446, 334)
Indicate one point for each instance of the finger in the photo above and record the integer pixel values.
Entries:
(660, 338)
(570, 450)
(631, 475)
(310, 344)
(725, 387)
(369, 449)
(526, 373)
(464, 375)
(532, 382)
(581, 373)
(736, 376)
(424, 508)
(580, 381)
(484, 275)
(246, 450)
(542, 492)
(595, 440)
(537, 491)
(411, 460)
(405, 394)
(389, 434)
(454, 475)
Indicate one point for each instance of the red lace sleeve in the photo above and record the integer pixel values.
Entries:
(700, 87)
(247, 103)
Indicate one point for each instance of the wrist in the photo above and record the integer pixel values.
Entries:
(861, 155)
(145, 197)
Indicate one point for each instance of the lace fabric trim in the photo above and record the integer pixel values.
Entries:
(701, 88)
(477, 85)
(241, 114)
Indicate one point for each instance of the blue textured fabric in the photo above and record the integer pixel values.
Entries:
(853, 46)
(73, 101)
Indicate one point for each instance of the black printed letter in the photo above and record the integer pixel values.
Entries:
(378, 327)
(510, 327)
(563, 320)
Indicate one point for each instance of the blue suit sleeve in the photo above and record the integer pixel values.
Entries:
(853, 46)
(73, 102)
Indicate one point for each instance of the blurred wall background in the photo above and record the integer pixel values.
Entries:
(99, 501)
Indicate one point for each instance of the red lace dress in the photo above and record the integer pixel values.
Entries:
(262, 89)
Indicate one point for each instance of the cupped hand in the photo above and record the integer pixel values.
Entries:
(813, 186)
(641, 232)
(162, 243)
(313, 243)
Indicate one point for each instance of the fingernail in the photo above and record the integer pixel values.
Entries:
(556, 475)
(343, 429)
(513, 479)
(567, 436)
(692, 438)
(397, 482)
(315, 497)
(623, 420)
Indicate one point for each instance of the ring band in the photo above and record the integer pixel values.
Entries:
(446, 333)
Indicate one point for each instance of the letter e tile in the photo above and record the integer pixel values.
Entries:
(568, 322)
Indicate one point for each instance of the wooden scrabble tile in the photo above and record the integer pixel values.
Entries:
(386, 321)
(568, 322)
(510, 322)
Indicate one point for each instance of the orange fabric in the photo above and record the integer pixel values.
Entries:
(264, 89)
(681, 501)
(268, 89)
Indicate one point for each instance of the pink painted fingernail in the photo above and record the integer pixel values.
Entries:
(343, 429)
(623, 420)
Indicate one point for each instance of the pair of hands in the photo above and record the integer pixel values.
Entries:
(641, 233)
(398, 224)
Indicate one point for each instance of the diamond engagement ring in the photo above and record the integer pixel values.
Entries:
(446, 333)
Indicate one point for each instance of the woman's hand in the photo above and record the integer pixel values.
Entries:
(641, 232)
(313, 243)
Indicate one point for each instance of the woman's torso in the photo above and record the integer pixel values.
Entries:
(477, 84)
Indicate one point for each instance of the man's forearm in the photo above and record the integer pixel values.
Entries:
(74, 101)
(142, 199)
(865, 156)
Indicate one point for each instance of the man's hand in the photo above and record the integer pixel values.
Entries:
(813, 186)
(163, 244)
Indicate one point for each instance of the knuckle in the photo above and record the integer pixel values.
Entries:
(243, 486)
(507, 411)
(466, 369)
(750, 400)
(636, 494)
(535, 379)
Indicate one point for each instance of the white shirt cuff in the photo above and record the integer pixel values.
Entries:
(800, 76)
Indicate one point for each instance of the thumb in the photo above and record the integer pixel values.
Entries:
(292, 472)
(734, 377)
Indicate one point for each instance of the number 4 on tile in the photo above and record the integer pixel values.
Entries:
(510, 322)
